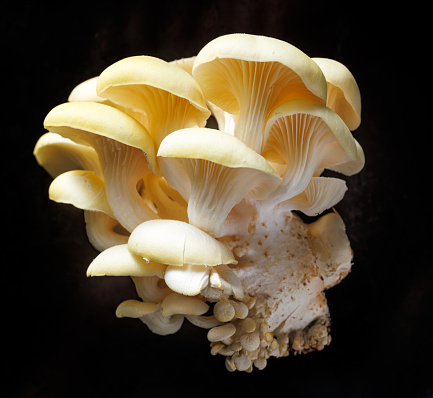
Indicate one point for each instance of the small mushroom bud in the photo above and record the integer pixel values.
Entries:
(241, 310)
(224, 311)
(242, 362)
(248, 325)
(260, 363)
(221, 332)
(216, 347)
(230, 365)
(250, 341)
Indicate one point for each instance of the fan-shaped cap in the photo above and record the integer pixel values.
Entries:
(81, 121)
(57, 154)
(81, 188)
(221, 170)
(86, 91)
(151, 87)
(119, 261)
(176, 303)
(177, 243)
(248, 75)
(329, 117)
(301, 139)
(343, 97)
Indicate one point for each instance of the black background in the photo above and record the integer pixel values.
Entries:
(61, 337)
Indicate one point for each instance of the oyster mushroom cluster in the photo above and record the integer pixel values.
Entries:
(206, 220)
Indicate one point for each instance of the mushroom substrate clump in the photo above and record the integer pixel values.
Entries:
(207, 221)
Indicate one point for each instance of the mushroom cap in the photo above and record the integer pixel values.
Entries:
(331, 119)
(119, 261)
(177, 243)
(220, 171)
(321, 194)
(80, 120)
(302, 138)
(81, 188)
(57, 154)
(150, 71)
(343, 96)
(86, 91)
(176, 303)
(214, 146)
(137, 83)
(253, 48)
(136, 309)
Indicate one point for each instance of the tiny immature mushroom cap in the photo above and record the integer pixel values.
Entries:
(176, 303)
(224, 311)
(219, 333)
(343, 97)
(250, 341)
(241, 309)
(248, 325)
(177, 243)
(242, 362)
(248, 75)
(166, 96)
(221, 171)
(135, 309)
(119, 261)
(81, 188)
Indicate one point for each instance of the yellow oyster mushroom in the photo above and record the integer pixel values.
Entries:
(81, 188)
(177, 243)
(125, 151)
(119, 261)
(136, 309)
(221, 170)
(321, 194)
(343, 97)
(84, 122)
(57, 155)
(248, 75)
(163, 96)
(302, 137)
(189, 253)
(175, 303)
